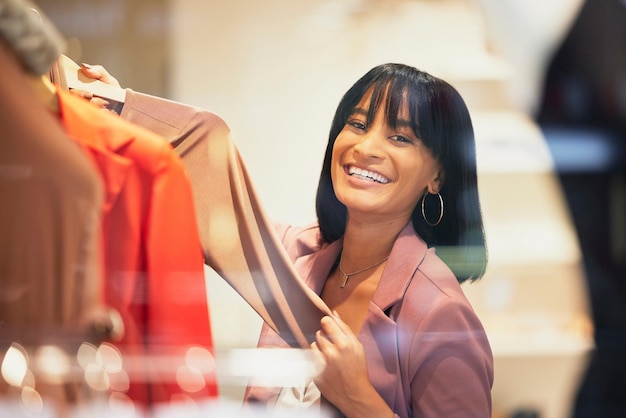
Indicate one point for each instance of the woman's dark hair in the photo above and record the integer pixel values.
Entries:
(439, 117)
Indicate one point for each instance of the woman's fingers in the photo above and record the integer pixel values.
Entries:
(83, 94)
(318, 357)
(342, 325)
(100, 102)
(323, 343)
(97, 101)
(337, 331)
(98, 72)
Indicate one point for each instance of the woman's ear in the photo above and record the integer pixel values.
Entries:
(437, 183)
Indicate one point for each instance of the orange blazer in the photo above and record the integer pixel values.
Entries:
(154, 273)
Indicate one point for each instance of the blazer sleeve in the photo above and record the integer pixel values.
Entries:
(189, 130)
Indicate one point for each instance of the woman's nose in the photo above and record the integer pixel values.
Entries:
(369, 145)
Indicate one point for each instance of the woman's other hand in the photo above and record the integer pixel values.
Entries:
(344, 380)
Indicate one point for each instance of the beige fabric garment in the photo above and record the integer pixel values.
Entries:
(239, 242)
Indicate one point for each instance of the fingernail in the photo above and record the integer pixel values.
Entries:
(86, 65)
(336, 314)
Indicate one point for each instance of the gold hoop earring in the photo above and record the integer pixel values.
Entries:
(440, 211)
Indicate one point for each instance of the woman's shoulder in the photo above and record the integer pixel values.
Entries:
(439, 274)
(435, 290)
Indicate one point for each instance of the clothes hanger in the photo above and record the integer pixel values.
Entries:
(75, 79)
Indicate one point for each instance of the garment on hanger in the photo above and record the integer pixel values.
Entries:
(50, 200)
(154, 272)
(239, 242)
(94, 210)
(50, 205)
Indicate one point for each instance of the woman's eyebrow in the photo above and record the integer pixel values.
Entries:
(400, 123)
(359, 111)
(403, 123)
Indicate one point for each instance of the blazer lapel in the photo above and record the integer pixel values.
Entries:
(380, 331)
(407, 254)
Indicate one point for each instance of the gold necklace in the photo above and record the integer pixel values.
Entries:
(346, 276)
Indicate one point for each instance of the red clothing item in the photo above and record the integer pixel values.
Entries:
(154, 272)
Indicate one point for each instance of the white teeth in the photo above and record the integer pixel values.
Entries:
(365, 174)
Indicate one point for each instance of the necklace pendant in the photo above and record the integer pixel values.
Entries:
(344, 281)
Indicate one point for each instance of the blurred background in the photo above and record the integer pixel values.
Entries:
(546, 85)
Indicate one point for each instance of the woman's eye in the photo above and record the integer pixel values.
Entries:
(402, 139)
(357, 124)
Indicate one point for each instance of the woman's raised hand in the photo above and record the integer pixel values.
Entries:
(97, 72)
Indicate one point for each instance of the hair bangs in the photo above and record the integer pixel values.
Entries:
(394, 94)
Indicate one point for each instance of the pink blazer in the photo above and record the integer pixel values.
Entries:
(427, 352)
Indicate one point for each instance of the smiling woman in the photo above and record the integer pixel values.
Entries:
(399, 337)
(404, 340)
